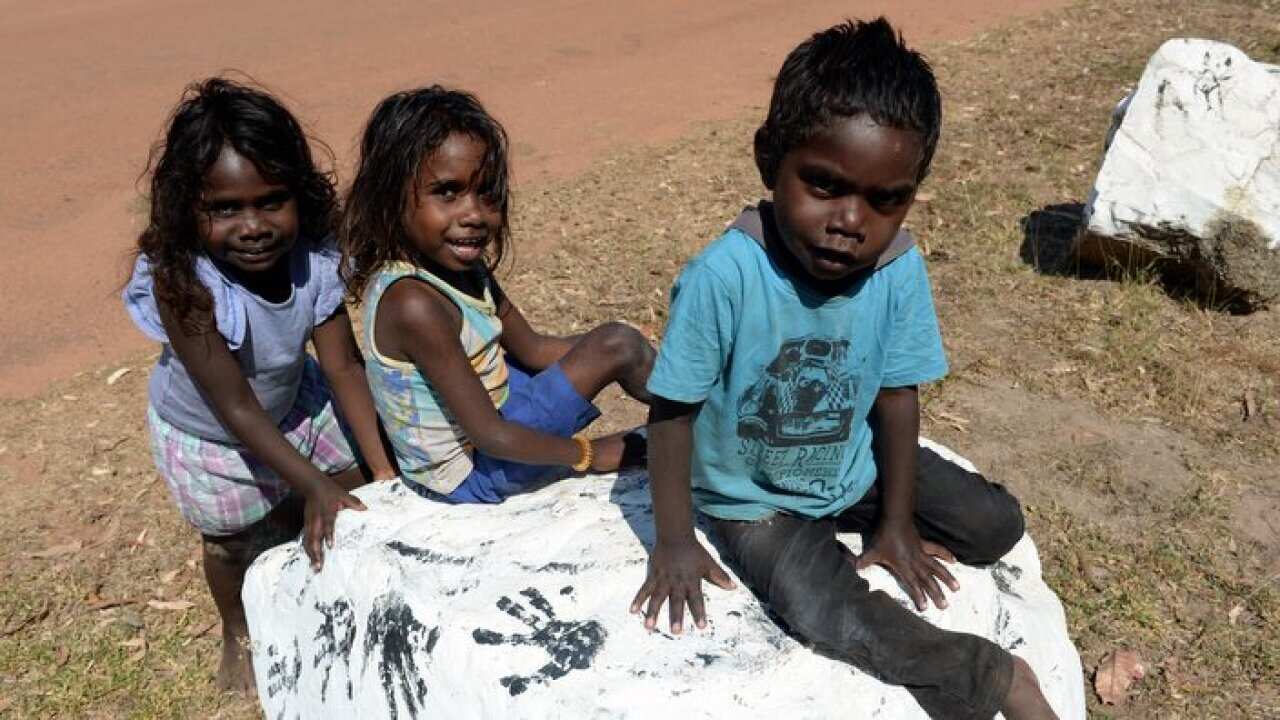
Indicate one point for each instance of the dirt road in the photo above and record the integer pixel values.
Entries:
(88, 82)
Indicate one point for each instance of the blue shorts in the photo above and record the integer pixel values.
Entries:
(545, 402)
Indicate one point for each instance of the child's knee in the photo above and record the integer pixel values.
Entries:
(624, 345)
(279, 526)
(1001, 525)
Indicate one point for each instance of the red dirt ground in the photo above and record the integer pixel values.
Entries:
(88, 84)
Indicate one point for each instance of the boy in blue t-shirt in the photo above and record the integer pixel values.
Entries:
(785, 392)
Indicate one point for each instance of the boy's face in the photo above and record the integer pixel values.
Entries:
(840, 197)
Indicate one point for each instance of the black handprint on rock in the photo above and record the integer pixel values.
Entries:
(396, 639)
(571, 645)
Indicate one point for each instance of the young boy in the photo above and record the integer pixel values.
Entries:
(786, 389)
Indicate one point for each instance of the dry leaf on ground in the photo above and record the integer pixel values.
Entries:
(1249, 405)
(13, 627)
(139, 645)
(114, 377)
(1116, 674)
(170, 604)
(97, 603)
(201, 630)
(58, 550)
(1233, 615)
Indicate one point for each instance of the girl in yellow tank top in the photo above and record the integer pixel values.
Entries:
(477, 404)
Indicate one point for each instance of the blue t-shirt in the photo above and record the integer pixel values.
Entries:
(787, 376)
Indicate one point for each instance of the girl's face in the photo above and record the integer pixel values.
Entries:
(246, 222)
(448, 220)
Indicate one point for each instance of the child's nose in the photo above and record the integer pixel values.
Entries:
(253, 223)
(471, 213)
(852, 216)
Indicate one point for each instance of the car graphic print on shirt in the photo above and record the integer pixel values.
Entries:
(794, 422)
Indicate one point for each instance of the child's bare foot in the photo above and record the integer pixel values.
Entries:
(225, 561)
(1025, 701)
(235, 672)
(620, 451)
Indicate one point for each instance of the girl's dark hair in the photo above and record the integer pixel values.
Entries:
(405, 129)
(214, 113)
(853, 68)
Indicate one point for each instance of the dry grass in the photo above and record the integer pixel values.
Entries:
(1113, 407)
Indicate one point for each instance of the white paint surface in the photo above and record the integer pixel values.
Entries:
(430, 610)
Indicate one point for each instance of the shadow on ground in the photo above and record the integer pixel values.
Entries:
(1051, 246)
(1048, 240)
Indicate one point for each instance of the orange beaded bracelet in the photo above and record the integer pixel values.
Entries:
(588, 454)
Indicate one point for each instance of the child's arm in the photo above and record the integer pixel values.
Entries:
(424, 327)
(679, 562)
(529, 347)
(896, 543)
(209, 360)
(343, 367)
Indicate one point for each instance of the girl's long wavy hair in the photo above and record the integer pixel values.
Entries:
(405, 129)
(214, 113)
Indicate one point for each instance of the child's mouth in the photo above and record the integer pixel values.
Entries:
(468, 250)
(833, 258)
(256, 256)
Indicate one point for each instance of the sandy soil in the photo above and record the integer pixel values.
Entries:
(1146, 472)
(90, 81)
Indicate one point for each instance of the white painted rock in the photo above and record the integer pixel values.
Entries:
(519, 610)
(1191, 177)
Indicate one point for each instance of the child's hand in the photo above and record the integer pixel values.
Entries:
(912, 560)
(322, 505)
(676, 571)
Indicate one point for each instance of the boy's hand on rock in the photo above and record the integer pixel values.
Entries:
(322, 505)
(676, 571)
(914, 561)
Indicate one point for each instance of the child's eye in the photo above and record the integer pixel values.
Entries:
(446, 191)
(221, 210)
(824, 186)
(275, 201)
(887, 201)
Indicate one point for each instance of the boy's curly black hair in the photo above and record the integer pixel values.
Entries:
(214, 113)
(404, 130)
(850, 69)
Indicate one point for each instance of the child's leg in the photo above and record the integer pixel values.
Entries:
(799, 568)
(978, 521)
(226, 558)
(612, 352)
(622, 450)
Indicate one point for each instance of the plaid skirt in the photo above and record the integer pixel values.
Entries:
(222, 488)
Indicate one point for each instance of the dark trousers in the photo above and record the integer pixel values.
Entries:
(806, 576)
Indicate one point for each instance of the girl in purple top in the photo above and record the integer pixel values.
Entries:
(233, 278)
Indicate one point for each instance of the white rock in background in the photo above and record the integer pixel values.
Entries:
(519, 610)
(1191, 176)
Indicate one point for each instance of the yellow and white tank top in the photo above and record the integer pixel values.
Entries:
(430, 446)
